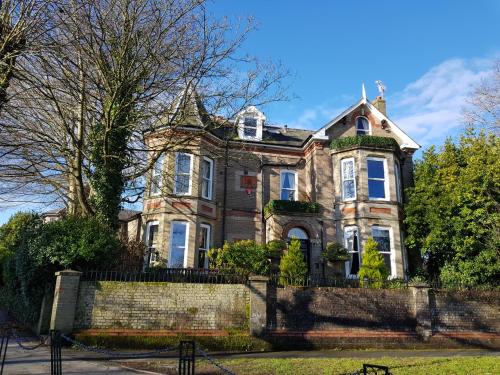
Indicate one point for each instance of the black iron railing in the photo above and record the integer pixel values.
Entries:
(172, 275)
(336, 282)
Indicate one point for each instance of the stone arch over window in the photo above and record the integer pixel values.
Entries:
(305, 227)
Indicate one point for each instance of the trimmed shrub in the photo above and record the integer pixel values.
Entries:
(293, 268)
(335, 252)
(373, 266)
(364, 140)
(244, 257)
(285, 206)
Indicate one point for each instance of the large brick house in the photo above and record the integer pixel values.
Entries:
(343, 182)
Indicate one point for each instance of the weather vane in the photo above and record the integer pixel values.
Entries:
(381, 88)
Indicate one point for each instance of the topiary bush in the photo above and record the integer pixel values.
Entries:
(373, 267)
(334, 252)
(293, 268)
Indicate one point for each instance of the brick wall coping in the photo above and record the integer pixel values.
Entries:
(68, 273)
(259, 278)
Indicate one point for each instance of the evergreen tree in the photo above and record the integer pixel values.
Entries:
(453, 211)
(293, 268)
(373, 266)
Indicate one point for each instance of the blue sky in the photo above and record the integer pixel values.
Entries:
(428, 54)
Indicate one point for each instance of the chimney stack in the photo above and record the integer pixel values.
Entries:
(379, 103)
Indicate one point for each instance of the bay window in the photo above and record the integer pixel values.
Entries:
(156, 177)
(351, 243)
(207, 175)
(183, 172)
(151, 242)
(205, 232)
(348, 179)
(383, 237)
(377, 179)
(179, 234)
(288, 186)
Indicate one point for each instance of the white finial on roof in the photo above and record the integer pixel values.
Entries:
(381, 88)
(363, 91)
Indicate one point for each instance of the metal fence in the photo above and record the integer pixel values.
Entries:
(4, 342)
(172, 275)
(336, 282)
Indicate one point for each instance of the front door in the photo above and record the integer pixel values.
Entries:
(305, 244)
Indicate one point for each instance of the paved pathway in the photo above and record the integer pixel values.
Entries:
(22, 362)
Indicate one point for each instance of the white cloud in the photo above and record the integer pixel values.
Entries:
(430, 108)
(315, 117)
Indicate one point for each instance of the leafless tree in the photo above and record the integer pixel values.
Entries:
(108, 72)
(483, 109)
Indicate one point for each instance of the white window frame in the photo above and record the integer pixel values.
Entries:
(209, 193)
(397, 176)
(385, 179)
(347, 229)
(149, 224)
(392, 251)
(190, 174)
(342, 162)
(296, 182)
(369, 125)
(245, 126)
(186, 242)
(209, 243)
(156, 172)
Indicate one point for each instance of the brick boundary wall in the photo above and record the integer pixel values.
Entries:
(172, 306)
(305, 317)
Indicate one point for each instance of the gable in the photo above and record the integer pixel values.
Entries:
(344, 125)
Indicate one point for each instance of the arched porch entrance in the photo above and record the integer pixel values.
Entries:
(305, 243)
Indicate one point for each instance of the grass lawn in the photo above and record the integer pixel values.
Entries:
(319, 366)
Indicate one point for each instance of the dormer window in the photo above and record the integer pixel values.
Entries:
(250, 122)
(362, 126)
(250, 127)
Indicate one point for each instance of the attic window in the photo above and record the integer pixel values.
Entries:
(250, 127)
(362, 126)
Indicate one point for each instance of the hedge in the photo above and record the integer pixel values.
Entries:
(364, 140)
(284, 206)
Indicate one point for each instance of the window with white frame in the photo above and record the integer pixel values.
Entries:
(250, 127)
(207, 175)
(205, 243)
(348, 179)
(288, 185)
(377, 179)
(383, 237)
(156, 177)
(151, 242)
(179, 233)
(351, 243)
(362, 126)
(183, 169)
(397, 176)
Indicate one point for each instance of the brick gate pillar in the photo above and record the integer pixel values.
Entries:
(258, 305)
(65, 298)
(422, 309)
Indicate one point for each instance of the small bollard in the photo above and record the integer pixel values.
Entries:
(55, 353)
(4, 342)
(187, 357)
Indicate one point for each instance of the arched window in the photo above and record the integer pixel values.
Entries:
(362, 126)
(298, 233)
